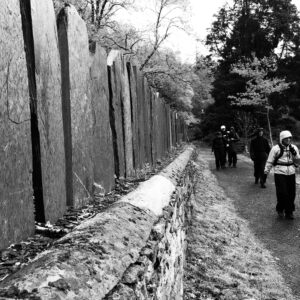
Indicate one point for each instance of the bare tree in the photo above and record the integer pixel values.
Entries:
(168, 18)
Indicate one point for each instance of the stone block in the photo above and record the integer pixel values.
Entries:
(48, 108)
(114, 63)
(141, 116)
(147, 122)
(104, 168)
(127, 109)
(131, 66)
(77, 105)
(154, 127)
(16, 194)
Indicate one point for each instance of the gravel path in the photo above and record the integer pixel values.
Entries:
(228, 256)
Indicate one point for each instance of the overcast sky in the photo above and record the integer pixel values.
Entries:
(201, 19)
(200, 16)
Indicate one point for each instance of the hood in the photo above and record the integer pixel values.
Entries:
(284, 134)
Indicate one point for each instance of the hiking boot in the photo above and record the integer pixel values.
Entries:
(289, 216)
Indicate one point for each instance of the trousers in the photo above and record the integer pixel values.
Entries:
(259, 166)
(285, 192)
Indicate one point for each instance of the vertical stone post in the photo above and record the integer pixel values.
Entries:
(16, 193)
(114, 63)
(134, 112)
(140, 109)
(147, 122)
(43, 64)
(127, 108)
(77, 106)
(104, 167)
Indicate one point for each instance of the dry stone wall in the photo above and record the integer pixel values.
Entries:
(158, 272)
(73, 117)
(133, 250)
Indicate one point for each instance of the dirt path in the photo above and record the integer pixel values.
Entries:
(236, 247)
(257, 206)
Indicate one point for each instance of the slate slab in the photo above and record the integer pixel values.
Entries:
(77, 105)
(104, 168)
(16, 203)
(114, 63)
(49, 110)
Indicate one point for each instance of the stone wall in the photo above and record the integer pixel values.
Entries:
(16, 204)
(73, 117)
(133, 250)
(158, 272)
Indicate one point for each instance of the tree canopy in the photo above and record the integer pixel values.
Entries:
(249, 32)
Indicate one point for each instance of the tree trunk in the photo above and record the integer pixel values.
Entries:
(269, 125)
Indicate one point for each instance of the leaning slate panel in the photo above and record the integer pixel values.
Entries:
(49, 112)
(115, 78)
(77, 106)
(16, 195)
(102, 138)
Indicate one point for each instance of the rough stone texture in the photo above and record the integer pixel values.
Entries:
(155, 193)
(127, 107)
(77, 106)
(114, 63)
(154, 127)
(16, 204)
(131, 66)
(147, 122)
(104, 168)
(161, 129)
(141, 117)
(91, 260)
(122, 249)
(48, 84)
(158, 273)
(169, 131)
(173, 128)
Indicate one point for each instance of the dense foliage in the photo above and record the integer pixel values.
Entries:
(245, 31)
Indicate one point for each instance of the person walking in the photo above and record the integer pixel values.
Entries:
(259, 151)
(218, 148)
(225, 140)
(283, 158)
(233, 138)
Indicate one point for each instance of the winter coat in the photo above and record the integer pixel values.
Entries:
(259, 148)
(233, 138)
(218, 144)
(225, 139)
(286, 163)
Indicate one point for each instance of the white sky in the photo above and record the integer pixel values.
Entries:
(201, 19)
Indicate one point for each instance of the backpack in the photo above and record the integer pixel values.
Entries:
(281, 153)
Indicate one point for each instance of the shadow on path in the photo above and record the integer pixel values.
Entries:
(257, 206)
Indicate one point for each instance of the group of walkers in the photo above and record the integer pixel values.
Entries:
(224, 147)
(283, 158)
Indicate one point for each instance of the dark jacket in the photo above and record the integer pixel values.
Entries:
(259, 148)
(225, 139)
(218, 144)
(233, 138)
